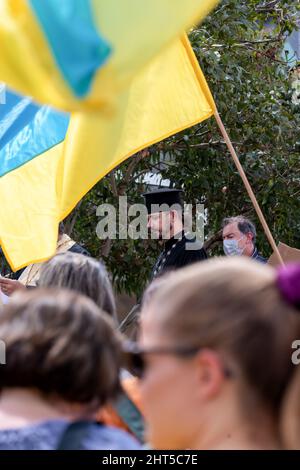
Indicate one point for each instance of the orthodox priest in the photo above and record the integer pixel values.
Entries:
(165, 222)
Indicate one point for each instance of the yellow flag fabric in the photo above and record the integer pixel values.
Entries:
(80, 54)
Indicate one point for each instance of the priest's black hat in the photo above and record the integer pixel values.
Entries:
(165, 197)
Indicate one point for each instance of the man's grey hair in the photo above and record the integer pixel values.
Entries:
(244, 225)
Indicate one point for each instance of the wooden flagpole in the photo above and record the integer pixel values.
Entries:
(248, 187)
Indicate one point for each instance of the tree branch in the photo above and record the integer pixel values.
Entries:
(265, 54)
(130, 169)
(267, 7)
(105, 248)
(244, 43)
(209, 144)
(71, 219)
(113, 183)
(214, 240)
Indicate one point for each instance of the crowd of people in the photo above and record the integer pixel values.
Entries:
(210, 366)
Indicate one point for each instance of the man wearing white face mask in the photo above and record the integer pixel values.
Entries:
(239, 235)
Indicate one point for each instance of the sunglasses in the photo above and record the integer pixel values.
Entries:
(134, 357)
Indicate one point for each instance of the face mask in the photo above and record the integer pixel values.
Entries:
(231, 247)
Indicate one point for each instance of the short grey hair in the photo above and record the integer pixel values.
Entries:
(82, 274)
(244, 225)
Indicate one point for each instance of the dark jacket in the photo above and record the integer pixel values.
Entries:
(178, 253)
(258, 257)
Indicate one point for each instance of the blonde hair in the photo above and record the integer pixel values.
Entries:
(235, 307)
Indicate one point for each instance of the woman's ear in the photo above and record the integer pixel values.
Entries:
(210, 373)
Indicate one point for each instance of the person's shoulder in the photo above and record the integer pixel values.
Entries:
(261, 259)
(39, 436)
(192, 247)
(102, 437)
(258, 257)
(189, 252)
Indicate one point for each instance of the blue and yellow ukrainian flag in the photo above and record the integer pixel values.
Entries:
(117, 76)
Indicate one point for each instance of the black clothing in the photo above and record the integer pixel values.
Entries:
(177, 253)
(162, 199)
